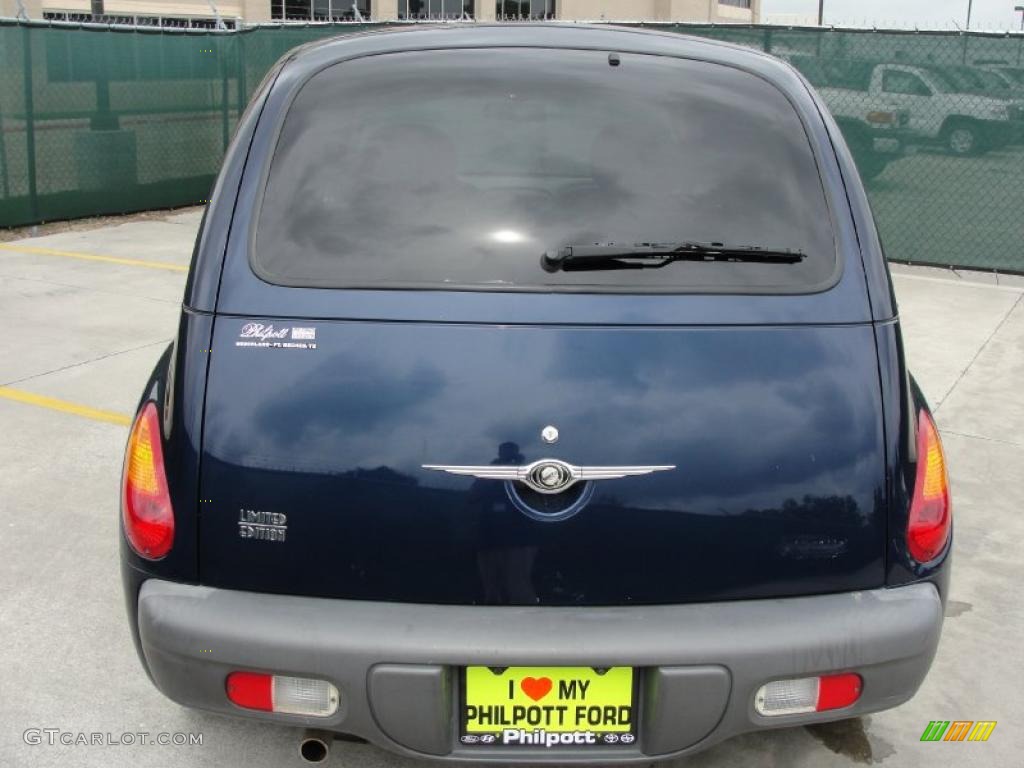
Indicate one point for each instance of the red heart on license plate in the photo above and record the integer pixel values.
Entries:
(536, 687)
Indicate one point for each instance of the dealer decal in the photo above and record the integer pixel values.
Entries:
(958, 730)
(548, 706)
(270, 336)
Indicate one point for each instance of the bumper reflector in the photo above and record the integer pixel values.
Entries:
(278, 693)
(807, 694)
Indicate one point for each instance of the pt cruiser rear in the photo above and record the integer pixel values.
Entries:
(538, 394)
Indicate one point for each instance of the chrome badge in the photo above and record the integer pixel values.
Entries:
(548, 476)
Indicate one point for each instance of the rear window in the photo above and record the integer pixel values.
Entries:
(458, 169)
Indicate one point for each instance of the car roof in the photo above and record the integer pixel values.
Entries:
(316, 54)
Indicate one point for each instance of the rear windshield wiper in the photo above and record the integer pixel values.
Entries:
(578, 258)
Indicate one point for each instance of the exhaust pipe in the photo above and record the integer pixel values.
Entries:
(315, 746)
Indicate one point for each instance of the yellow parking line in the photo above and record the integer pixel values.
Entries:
(64, 406)
(94, 257)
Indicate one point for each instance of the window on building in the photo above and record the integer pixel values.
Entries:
(182, 22)
(318, 10)
(435, 9)
(509, 10)
(736, 3)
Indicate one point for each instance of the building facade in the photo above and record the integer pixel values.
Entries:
(202, 13)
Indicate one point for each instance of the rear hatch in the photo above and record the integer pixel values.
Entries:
(384, 312)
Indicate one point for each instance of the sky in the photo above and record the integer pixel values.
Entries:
(924, 14)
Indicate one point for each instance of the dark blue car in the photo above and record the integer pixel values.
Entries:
(538, 394)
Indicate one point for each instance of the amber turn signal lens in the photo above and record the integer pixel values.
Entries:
(145, 500)
(930, 509)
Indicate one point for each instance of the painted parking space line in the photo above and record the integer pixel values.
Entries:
(30, 249)
(53, 404)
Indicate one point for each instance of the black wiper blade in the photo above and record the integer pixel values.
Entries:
(577, 258)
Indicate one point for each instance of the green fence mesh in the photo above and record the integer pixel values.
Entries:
(98, 121)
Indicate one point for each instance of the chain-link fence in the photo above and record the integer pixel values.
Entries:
(107, 120)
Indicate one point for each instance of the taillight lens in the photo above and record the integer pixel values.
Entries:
(930, 511)
(280, 693)
(838, 691)
(251, 690)
(808, 694)
(145, 500)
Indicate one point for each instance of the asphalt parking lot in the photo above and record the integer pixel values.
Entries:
(85, 313)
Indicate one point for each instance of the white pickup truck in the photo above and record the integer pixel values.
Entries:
(874, 127)
(938, 110)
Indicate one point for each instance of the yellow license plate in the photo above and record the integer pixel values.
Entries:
(548, 706)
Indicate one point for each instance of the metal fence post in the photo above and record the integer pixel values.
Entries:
(225, 117)
(30, 123)
(242, 100)
(3, 157)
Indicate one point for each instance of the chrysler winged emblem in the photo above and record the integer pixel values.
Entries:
(547, 475)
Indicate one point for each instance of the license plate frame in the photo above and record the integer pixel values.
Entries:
(504, 689)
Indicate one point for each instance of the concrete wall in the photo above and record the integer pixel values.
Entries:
(486, 10)
(604, 9)
(650, 10)
(201, 8)
(9, 8)
(383, 10)
(229, 9)
(657, 10)
(75, 6)
(730, 13)
(254, 11)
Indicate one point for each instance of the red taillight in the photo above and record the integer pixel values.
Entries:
(930, 513)
(145, 500)
(251, 690)
(838, 691)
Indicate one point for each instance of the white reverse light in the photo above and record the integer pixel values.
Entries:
(303, 696)
(787, 697)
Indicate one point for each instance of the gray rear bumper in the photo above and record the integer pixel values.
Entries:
(396, 664)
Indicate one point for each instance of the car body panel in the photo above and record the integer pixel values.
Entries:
(335, 438)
